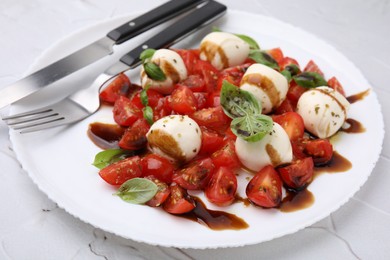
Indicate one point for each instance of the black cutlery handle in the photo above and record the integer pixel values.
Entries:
(180, 29)
(150, 19)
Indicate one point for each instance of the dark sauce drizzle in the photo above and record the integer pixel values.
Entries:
(105, 136)
(214, 219)
(358, 97)
(353, 127)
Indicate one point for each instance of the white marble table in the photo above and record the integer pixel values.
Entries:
(33, 227)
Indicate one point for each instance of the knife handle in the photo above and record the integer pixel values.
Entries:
(150, 19)
(174, 33)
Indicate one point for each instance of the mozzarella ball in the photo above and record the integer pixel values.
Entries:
(324, 111)
(173, 67)
(223, 50)
(175, 137)
(267, 85)
(274, 149)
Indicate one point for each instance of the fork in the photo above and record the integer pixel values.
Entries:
(86, 102)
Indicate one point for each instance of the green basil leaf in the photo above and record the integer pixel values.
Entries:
(263, 58)
(144, 97)
(237, 102)
(107, 157)
(154, 71)
(137, 190)
(147, 55)
(252, 128)
(250, 41)
(287, 75)
(310, 80)
(148, 114)
(293, 69)
(216, 29)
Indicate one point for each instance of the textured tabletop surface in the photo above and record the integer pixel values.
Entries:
(34, 227)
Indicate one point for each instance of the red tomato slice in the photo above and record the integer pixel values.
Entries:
(222, 187)
(226, 156)
(265, 188)
(121, 171)
(287, 61)
(134, 137)
(158, 167)
(162, 108)
(213, 118)
(336, 85)
(321, 150)
(196, 175)
(178, 202)
(209, 74)
(276, 53)
(183, 101)
(153, 99)
(294, 93)
(232, 75)
(313, 67)
(190, 58)
(214, 99)
(298, 174)
(286, 106)
(292, 123)
(120, 86)
(194, 82)
(125, 113)
(201, 99)
(211, 141)
(162, 192)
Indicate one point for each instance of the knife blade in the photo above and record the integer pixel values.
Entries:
(93, 52)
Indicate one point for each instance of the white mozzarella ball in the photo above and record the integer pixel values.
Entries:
(175, 137)
(274, 149)
(173, 67)
(266, 84)
(223, 50)
(324, 111)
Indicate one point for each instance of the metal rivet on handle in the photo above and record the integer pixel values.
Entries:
(132, 24)
(145, 47)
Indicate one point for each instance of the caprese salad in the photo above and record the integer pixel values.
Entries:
(201, 116)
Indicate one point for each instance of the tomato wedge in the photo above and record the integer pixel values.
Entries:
(162, 192)
(265, 188)
(336, 85)
(183, 101)
(226, 156)
(292, 123)
(158, 167)
(222, 187)
(213, 118)
(196, 175)
(276, 53)
(134, 137)
(120, 86)
(190, 58)
(178, 202)
(125, 113)
(313, 67)
(211, 141)
(283, 63)
(321, 150)
(298, 174)
(209, 74)
(194, 82)
(119, 172)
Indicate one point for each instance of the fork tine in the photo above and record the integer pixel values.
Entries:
(36, 123)
(29, 118)
(29, 113)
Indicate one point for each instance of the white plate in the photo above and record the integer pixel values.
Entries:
(59, 160)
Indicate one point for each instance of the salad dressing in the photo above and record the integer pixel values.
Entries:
(105, 136)
(353, 127)
(214, 219)
(358, 97)
(294, 201)
(337, 164)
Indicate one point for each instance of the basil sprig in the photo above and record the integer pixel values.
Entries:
(147, 110)
(309, 80)
(107, 157)
(290, 71)
(264, 58)
(137, 190)
(151, 69)
(248, 123)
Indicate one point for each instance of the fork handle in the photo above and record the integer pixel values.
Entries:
(174, 33)
(150, 19)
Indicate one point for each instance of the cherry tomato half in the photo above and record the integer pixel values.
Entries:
(119, 172)
(157, 166)
(196, 175)
(298, 174)
(178, 202)
(222, 187)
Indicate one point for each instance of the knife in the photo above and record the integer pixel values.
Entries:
(94, 51)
